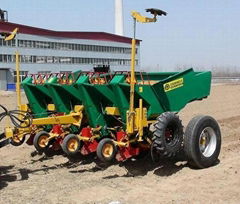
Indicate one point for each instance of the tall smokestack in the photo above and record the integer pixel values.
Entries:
(118, 17)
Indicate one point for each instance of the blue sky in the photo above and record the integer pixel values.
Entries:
(196, 33)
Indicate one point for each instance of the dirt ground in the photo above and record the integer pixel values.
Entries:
(56, 179)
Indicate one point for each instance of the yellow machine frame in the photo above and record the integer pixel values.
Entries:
(137, 117)
(74, 118)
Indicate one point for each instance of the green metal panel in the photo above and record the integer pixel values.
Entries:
(38, 97)
(121, 92)
(92, 101)
(196, 86)
(64, 96)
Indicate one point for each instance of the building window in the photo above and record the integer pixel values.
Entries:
(22, 74)
(10, 43)
(7, 58)
(40, 59)
(44, 72)
(26, 59)
(65, 60)
(64, 46)
(63, 72)
(49, 59)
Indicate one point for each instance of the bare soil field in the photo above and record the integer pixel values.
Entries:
(56, 179)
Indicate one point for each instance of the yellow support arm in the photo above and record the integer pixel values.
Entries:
(143, 19)
(72, 118)
(132, 117)
(12, 35)
(18, 86)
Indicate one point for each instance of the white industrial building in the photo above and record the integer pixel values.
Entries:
(45, 51)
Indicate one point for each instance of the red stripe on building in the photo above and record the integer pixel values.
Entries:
(102, 36)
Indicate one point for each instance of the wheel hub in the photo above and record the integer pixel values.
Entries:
(207, 142)
(43, 141)
(72, 145)
(107, 150)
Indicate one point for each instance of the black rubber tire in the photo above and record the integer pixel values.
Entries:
(191, 141)
(36, 141)
(100, 147)
(167, 147)
(65, 145)
(14, 143)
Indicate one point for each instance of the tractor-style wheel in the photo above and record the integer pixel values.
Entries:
(71, 145)
(167, 136)
(202, 141)
(17, 141)
(40, 141)
(106, 150)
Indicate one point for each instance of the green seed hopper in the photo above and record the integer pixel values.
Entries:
(38, 97)
(162, 92)
(64, 96)
(40, 94)
(95, 98)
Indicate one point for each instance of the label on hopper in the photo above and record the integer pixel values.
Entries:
(173, 84)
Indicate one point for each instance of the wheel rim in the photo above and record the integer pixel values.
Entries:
(107, 150)
(42, 142)
(72, 145)
(207, 142)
